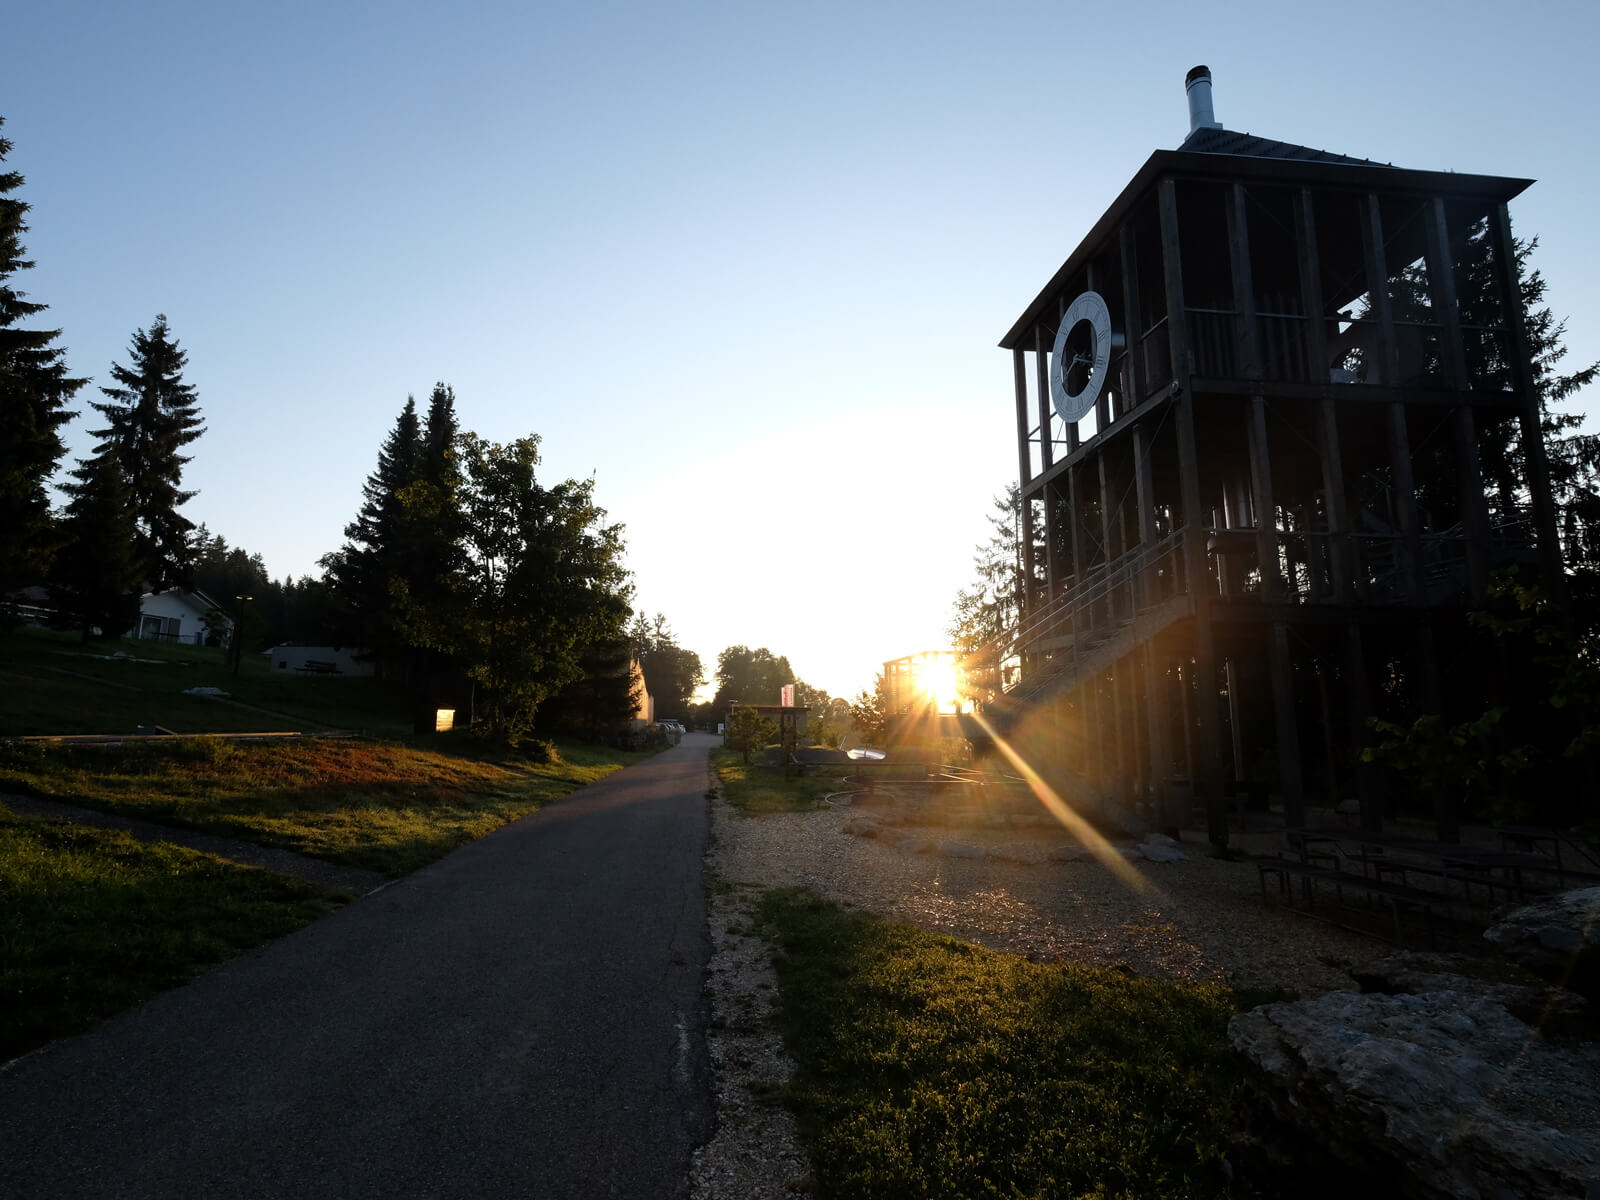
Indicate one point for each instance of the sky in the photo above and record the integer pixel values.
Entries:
(746, 265)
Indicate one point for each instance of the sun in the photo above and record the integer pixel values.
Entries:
(939, 679)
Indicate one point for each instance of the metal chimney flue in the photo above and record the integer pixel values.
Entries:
(1198, 84)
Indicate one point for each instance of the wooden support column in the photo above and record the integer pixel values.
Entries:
(1428, 698)
(1247, 339)
(1469, 474)
(1404, 495)
(1286, 711)
(1019, 370)
(1265, 504)
(1145, 591)
(1207, 764)
(1340, 565)
(1358, 701)
(1528, 416)
(1106, 541)
(1134, 375)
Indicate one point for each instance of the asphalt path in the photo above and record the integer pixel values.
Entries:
(522, 1018)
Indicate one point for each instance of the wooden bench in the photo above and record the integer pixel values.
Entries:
(1397, 895)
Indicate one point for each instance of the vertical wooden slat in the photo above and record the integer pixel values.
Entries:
(1134, 374)
(1316, 327)
(1208, 760)
(1286, 714)
(1265, 504)
(1041, 376)
(1247, 339)
(1469, 474)
(1528, 415)
(1019, 370)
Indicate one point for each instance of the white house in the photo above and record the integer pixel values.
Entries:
(181, 616)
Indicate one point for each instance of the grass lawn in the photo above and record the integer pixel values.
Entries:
(927, 1067)
(92, 922)
(756, 789)
(53, 683)
(389, 807)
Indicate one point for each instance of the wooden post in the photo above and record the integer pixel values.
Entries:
(1286, 713)
(1528, 416)
(1135, 373)
(1207, 773)
(1359, 702)
(1265, 504)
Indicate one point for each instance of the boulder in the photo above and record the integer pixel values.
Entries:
(1162, 852)
(914, 844)
(1443, 1094)
(1068, 854)
(1557, 939)
(1551, 1010)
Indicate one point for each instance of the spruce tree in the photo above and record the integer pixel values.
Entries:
(34, 390)
(152, 415)
(359, 574)
(96, 576)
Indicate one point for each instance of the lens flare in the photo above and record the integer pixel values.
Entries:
(1108, 855)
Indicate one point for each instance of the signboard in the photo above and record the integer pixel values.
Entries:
(787, 696)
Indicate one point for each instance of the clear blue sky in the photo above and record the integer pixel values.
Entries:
(744, 263)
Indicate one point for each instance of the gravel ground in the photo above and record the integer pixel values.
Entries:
(1202, 920)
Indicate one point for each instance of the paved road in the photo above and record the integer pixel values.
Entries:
(522, 1018)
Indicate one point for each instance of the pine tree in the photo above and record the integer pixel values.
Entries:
(359, 573)
(96, 576)
(152, 415)
(34, 390)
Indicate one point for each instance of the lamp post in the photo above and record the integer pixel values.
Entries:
(238, 630)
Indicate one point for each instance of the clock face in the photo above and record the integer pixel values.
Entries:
(1081, 357)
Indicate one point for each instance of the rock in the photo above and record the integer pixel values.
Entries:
(1157, 852)
(1557, 939)
(863, 827)
(1068, 854)
(961, 850)
(1019, 852)
(913, 844)
(1159, 839)
(1444, 1094)
(1551, 1010)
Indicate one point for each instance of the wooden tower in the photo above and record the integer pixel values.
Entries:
(1254, 409)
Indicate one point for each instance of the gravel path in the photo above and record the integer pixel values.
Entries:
(1201, 920)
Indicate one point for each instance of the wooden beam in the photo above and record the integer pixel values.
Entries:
(1247, 340)
(1286, 712)
(1041, 376)
(1469, 473)
(1019, 370)
(1207, 775)
(1311, 284)
(1133, 376)
(1265, 503)
(1529, 416)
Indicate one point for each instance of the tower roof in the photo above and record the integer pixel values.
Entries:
(1249, 145)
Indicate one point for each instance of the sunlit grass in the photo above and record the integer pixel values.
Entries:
(389, 807)
(755, 790)
(927, 1067)
(92, 921)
